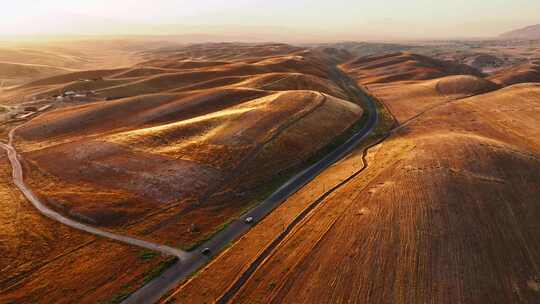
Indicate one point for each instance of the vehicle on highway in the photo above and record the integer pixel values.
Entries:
(249, 220)
(206, 251)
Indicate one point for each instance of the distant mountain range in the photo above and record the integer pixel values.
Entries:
(530, 32)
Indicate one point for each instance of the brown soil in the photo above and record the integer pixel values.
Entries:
(519, 74)
(428, 225)
(45, 262)
(169, 157)
(446, 212)
(403, 66)
(406, 99)
(13, 73)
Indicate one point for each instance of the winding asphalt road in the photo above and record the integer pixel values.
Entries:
(189, 262)
(14, 159)
(154, 290)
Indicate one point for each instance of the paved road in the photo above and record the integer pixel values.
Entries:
(190, 262)
(154, 290)
(14, 159)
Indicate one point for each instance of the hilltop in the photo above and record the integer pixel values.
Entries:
(185, 139)
(452, 187)
(527, 33)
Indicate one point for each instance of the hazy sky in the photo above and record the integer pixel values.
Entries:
(299, 20)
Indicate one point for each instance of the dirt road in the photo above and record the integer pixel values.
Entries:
(18, 179)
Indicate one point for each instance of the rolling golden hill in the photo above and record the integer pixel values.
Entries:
(178, 148)
(444, 212)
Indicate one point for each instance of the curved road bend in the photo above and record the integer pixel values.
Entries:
(19, 182)
(154, 290)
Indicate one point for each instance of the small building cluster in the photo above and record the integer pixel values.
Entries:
(68, 96)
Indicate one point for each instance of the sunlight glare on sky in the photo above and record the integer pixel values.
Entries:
(336, 19)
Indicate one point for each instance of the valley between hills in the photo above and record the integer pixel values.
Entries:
(270, 173)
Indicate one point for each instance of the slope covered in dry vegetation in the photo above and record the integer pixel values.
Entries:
(445, 211)
(185, 140)
(410, 84)
(439, 206)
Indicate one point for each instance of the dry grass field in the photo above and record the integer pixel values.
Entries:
(445, 212)
(167, 150)
(45, 262)
(185, 140)
(21, 62)
(529, 72)
(403, 67)
(410, 84)
(168, 143)
(406, 99)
